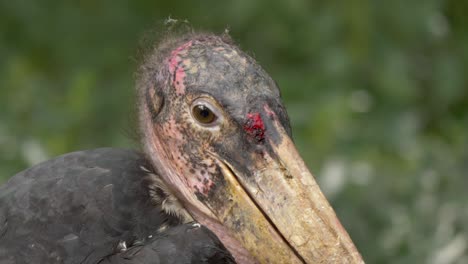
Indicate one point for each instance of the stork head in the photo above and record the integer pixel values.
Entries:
(218, 134)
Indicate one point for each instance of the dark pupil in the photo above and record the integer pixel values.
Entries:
(204, 114)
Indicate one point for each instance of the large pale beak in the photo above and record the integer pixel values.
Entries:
(279, 213)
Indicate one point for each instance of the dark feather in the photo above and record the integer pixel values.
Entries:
(76, 208)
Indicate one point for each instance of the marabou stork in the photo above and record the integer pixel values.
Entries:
(219, 179)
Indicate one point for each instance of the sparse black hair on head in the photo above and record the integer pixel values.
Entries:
(152, 73)
(157, 46)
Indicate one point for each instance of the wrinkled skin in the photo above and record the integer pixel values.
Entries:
(221, 171)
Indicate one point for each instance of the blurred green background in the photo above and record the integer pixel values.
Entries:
(377, 92)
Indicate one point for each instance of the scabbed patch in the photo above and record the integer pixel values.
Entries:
(255, 127)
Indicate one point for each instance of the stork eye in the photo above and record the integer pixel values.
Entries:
(206, 112)
(203, 114)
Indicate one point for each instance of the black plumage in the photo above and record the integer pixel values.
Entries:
(84, 206)
(188, 243)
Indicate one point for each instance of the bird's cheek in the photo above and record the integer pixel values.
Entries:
(172, 146)
(195, 167)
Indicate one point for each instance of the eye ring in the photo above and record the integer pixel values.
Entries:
(205, 113)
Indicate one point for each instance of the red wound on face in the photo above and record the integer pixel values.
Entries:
(255, 127)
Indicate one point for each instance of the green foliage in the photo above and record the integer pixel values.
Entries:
(377, 92)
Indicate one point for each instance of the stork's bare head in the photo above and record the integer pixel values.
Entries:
(216, 130)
